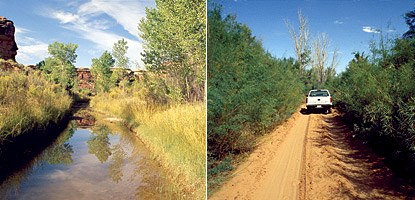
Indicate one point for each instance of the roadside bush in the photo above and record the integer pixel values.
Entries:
(377, 100)
(249, 91)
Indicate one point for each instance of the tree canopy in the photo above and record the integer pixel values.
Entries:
(59, 67)
(174, 43)
(101, 71)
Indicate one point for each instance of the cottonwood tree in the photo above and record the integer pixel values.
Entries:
(301, 40)
(59, 67)
(174, 45)
(322, 69)
(101, 71)
(119, 51)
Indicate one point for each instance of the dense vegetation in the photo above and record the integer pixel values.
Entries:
(28, 101)
(175, 45)
(59, 68)
(166, 107)
(376, 95)
(249, 91)
(174, 133)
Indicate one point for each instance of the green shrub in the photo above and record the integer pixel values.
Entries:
(377, 100)
(249, 91)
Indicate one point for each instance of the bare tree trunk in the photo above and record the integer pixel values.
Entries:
(331, 70)
(300, 40)
(320, 56)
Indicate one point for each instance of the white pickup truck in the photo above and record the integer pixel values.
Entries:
(319, 99)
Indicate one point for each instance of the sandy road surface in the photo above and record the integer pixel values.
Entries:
(313, 157)
(340, 167)
(273, 170)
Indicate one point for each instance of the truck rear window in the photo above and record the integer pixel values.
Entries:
(319, 94)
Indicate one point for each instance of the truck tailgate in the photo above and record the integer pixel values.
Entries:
(318, 100)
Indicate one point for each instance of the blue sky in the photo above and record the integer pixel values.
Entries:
(95, 25)
(350, 24)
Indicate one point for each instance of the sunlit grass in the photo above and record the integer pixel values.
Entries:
(175, 134)
(27, 102)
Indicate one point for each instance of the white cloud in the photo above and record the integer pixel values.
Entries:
(65, 17)
(338, 22)
(87, 21)
(369, 29)
(391, 30)
(126, 13)
(30, 50)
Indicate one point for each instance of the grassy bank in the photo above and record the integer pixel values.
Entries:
(28, 102)
(175, 134)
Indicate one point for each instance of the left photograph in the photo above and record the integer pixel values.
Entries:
(103, 99)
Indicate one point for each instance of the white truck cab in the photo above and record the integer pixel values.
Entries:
(319, 99)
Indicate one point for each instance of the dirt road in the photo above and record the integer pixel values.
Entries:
(312, 157)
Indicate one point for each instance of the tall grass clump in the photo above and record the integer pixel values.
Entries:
(249, 91)
(174, 132)
(177, 135)
(28, 102)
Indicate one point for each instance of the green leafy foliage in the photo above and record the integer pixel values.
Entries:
(101, 71)
(60, 68)
(174, 45)
(410, 21)
(119, 51)
(377, 98)
(249, 91)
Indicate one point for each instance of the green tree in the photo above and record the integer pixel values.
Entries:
(174, 44)
(119, 51)
(101, 71)
(410, 21)
(59, 67)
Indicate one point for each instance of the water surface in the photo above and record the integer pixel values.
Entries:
(103, 161)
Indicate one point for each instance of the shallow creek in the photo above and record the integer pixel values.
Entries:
(90, 159)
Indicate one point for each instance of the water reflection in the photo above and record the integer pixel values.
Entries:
(99, 143)
(114, 168)
(58, 152)
(105, 161)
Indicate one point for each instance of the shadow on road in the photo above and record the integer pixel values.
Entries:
(364, 175)
(304, 111)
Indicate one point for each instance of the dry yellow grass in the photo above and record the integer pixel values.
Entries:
(175, 134)
(28, 102)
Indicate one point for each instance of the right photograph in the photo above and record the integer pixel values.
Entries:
(310, 99)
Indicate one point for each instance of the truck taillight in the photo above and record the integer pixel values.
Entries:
(306, 100)
(331, 100)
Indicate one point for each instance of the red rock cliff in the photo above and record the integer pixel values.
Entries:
(8, 46)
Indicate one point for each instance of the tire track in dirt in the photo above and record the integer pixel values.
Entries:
(273, 170)
(313, 156)
(338, 166)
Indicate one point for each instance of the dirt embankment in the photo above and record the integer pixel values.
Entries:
(313, 157)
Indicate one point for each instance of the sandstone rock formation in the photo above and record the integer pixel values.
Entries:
(85, 78)
(8, 46)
